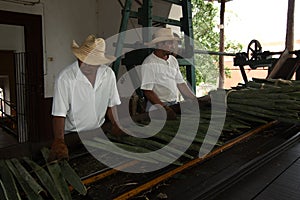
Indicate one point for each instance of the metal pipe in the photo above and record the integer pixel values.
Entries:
(214, 53)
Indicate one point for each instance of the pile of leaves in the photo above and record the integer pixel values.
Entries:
(266, 99)
(26, 178)
(247, 106)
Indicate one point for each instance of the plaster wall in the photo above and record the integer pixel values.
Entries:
(67, 20)
(63, 21)
(12, 38)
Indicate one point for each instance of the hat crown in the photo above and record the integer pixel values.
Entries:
(163, 32)
(92, 51)
(161, 35)
(94, 44)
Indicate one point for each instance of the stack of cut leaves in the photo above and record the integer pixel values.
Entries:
(162, 139)
(264, 100)
(248, 106)
(25, 178)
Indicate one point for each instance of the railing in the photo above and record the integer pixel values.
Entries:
(23, 88)
(7, 121)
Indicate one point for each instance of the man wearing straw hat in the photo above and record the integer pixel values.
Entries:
(161, 77)
(84, 93)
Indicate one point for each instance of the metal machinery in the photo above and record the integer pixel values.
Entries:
(255, 57)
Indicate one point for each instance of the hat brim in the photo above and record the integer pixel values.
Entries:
(93, 59)
(161, 39)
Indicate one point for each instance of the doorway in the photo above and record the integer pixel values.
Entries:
(25, 86)
(8, 118)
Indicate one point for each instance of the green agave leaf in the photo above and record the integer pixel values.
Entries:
(152, 156)
(26, 175)
(9, 189)
(44, 178)
(110, 148)
(2, 193)
(30, 194)
(72, 177)
(55, 172)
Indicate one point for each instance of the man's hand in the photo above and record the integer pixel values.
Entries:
(171, 115)
(116, 130)
(59, 150)
(157, 113)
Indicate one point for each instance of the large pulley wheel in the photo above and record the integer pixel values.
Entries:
(254, 50)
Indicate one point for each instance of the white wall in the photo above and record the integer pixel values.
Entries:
(12, 38)
(65, 20)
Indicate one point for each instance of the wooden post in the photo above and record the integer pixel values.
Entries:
(221, 57)
(289, 40)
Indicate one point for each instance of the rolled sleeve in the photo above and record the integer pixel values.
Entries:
(60, 105)
(178, 77)
(114, 95)
(148, 77)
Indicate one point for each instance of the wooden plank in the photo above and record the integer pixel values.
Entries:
(257, 183)
(286, 186)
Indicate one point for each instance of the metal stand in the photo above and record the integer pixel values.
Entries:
(146, 19)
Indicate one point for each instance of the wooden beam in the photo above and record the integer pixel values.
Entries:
(289, 41)
(221, 48)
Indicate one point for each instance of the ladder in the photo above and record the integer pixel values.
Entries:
(146, 19)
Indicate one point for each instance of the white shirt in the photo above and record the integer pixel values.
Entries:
(83, 105)
(161, 76)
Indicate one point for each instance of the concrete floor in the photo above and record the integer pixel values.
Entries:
(7, 139)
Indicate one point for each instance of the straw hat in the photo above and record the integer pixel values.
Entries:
(163, 34)
(92, 51)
